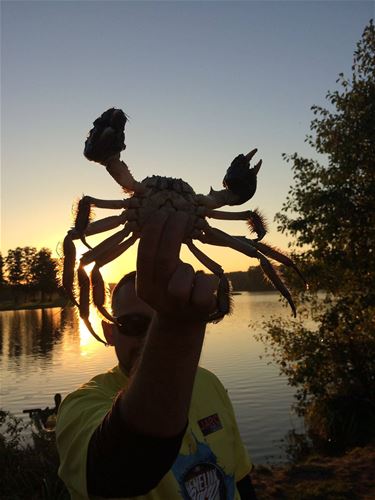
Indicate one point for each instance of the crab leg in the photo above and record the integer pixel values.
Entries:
(99, 203)
(98, 288)
(115, 252)
(83, 215)
(87, 258)
(70, 251)
(205, 260)
(84, 301)
(107, 244)
(69, 264)
(254, 219)
(99, 226)
(95, 227)
(84, 209)
(222, 215)
(106, 224)
(216, 199)
(273, 253)
(223, 292)
(214, 236)
(120, 172)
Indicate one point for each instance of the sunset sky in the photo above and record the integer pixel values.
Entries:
(201, 82)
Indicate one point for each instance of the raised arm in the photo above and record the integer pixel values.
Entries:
(144, 429)
(157, 401)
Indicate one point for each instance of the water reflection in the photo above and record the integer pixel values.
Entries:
(43, 352)
(69, 323)
(35, 332)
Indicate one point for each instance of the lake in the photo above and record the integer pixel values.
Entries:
(45, 351)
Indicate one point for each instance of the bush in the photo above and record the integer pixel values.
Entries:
(27, 470)
(330, 213)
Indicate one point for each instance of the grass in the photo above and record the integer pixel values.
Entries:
(320, 477)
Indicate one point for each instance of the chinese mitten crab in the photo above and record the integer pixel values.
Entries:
(103, 145)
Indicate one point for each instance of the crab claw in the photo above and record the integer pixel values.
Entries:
(240, 179)
(107, 138)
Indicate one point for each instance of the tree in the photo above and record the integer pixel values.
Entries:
(330, 213)
(18, 265)
(29, 255)
(43, 271)
(258, 281)
(2, 278)
(14, 266)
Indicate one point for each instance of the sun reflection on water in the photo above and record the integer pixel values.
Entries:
(87, 343)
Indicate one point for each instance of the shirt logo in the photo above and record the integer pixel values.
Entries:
(200, 477)
(210, 424)
(204, 481)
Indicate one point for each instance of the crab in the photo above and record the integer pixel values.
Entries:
(104, 144)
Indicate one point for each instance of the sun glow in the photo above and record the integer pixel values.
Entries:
(87, 342)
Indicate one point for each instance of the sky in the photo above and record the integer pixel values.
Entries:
(201, 82)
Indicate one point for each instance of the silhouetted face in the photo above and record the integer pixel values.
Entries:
(134, 316)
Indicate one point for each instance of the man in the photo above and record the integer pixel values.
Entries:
(156, 427)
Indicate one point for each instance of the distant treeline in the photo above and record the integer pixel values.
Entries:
(252, 280)
(28, 277)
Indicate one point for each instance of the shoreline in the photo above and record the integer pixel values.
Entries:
(348, 476)
(9, 305)
(25, 306)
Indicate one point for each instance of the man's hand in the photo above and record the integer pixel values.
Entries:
(171, 287)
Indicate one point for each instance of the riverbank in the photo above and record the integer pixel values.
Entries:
(319, 477)
(11, 306)
(17, 299)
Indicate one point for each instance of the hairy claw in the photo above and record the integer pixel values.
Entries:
(275, 254)
(107, 137)
(83, 215)
(274, 278)
(240, 179)
(69, 265)
(257, 223)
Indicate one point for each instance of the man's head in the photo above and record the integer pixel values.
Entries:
(133, 316)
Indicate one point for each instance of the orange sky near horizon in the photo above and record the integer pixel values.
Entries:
(201, 81)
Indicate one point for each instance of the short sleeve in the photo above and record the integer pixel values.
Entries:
(242, 460)
(79, 415)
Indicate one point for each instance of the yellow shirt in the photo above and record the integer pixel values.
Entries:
(212, 457)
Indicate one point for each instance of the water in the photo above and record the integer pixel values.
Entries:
(47, 351)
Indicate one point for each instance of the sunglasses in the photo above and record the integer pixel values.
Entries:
(133, 325)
